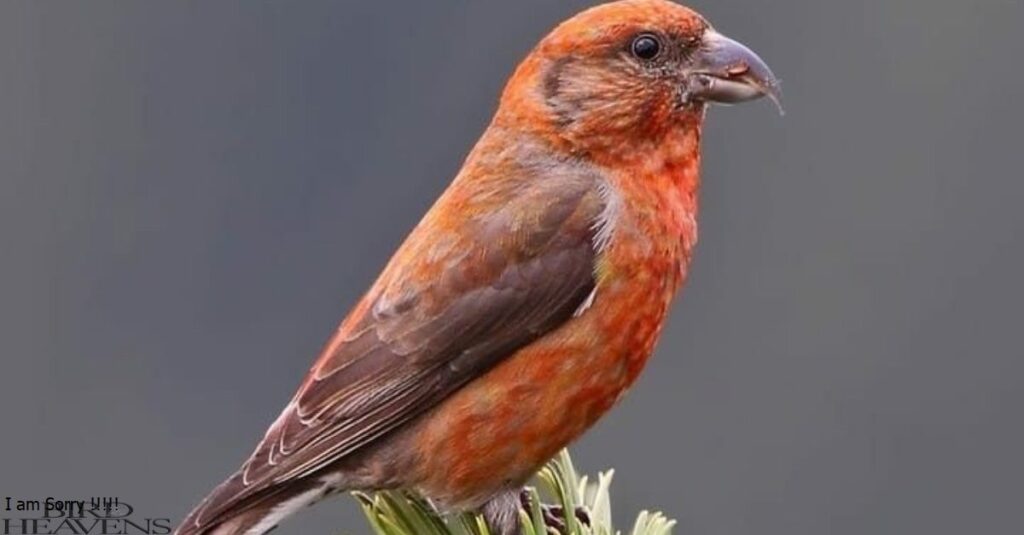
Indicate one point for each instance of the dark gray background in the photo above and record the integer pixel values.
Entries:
(192, 194)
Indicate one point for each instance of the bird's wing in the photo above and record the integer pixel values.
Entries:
(465, 291)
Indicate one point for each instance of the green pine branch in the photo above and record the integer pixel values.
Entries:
(401, 513)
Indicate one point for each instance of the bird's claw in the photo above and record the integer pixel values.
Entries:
(554, 515)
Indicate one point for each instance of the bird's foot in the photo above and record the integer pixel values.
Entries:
(554, 515)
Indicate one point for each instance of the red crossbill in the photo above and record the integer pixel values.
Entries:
(528, 299)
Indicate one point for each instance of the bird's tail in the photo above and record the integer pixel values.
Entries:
(249, 522)
(228, 510)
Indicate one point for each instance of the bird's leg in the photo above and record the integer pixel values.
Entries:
(554, 516)
(502, 513)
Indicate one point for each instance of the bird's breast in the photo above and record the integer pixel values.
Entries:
(654, 227)
(496, 431)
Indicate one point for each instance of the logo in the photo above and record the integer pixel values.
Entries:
(94, 516)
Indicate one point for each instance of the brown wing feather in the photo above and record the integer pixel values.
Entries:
(459, 296)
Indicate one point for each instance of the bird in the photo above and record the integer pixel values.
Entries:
(528, 299)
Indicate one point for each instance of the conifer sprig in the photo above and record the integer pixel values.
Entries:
(401, 513)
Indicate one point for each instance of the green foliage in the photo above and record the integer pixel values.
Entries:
(400, 513)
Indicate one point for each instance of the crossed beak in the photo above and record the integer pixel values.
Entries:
(727, 72)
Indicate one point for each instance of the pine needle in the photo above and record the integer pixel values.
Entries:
(402, 513)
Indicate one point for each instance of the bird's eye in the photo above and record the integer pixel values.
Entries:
(646, 47)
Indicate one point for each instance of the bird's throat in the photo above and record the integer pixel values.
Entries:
(659, 193)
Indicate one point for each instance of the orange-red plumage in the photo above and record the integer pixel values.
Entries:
(531, 405)
(529, 298)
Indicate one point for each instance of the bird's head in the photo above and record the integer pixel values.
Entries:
(630, 71)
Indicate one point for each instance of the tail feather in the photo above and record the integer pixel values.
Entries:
(221, 514)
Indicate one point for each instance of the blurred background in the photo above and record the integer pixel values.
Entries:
(193, 194)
